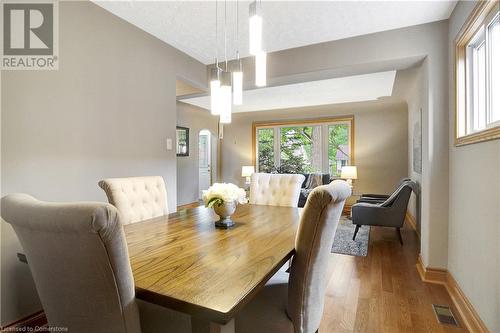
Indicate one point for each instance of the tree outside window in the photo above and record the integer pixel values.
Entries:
(302, 148)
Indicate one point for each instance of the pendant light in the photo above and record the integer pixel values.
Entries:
(225, 97)
(261, 69)
(238, 84)
(255, 29)
(255, 37)
(215, 107)
(238, 71)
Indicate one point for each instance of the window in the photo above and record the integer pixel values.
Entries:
(478, 76)
(300, 149)
(321, 146)
(338, 148)
(494, 41)
(266, 149)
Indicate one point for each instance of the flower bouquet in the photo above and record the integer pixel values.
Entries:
(223, 198)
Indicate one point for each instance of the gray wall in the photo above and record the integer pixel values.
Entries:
(106, 112)
(380, 137)
(410, 85)
(195, 119)
(474, 227)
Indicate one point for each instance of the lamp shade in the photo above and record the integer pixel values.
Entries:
(349, 172)
(247, 170)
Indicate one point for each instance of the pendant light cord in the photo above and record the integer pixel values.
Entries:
(216, 35)
(225, 32)
(237, 31)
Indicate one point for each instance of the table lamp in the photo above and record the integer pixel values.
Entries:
(247, 171)
(349, 173)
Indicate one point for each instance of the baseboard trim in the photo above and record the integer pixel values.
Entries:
(189, 205)
(37, 319)
(430, 274)
(468, 315)
(412, 222)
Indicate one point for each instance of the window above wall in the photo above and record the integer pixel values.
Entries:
(477, 62)
(308, 146)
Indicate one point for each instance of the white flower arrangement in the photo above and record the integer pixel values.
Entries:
(220, 193)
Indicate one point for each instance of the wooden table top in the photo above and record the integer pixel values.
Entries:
(183, 262)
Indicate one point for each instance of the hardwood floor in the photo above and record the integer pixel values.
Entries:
(382, 292)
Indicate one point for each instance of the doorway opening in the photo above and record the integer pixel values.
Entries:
(205, 160)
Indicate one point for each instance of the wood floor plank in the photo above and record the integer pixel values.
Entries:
(382, 292)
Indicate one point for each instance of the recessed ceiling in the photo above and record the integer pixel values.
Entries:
(190, 25)
(183, 88)
(348, 89)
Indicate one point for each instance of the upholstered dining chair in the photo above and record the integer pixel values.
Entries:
(275, 189)
(136, 198)
(293, 303)
(78, 257)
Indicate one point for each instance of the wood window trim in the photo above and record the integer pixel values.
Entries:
(472, 24)
(309, 121)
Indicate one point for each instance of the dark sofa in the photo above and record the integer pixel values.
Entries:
(304, 192)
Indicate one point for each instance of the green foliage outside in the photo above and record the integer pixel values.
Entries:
(338, 137)
(296, 148)
(265, 137)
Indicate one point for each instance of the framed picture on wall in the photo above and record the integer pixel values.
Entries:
(182, 141)
(417, 143)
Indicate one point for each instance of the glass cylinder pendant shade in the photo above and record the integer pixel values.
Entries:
(225, 97)
(215, 106)
(260, 69)
(238, 84)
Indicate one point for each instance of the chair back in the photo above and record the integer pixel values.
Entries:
(78, 257)
(398, 200)
(402, 181)
(275, 189)
(136, 198)
(313, 244)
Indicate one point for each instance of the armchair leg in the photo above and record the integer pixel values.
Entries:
(399, 235)
(356, 232)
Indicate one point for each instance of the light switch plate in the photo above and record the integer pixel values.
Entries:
(169, 144)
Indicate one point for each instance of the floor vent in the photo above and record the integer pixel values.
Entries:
(444, 315)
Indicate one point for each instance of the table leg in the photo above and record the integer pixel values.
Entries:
(203, 326)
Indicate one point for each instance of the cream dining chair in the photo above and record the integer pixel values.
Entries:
(136, 198)
(275, 189)
(293, 303)
(78, 257)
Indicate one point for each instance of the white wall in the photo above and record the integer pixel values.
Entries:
(106, 112)
(380, 141)
(195, 119)
(474, 226)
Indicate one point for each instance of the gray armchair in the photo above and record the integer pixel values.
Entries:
(379, 198)
(390, 213)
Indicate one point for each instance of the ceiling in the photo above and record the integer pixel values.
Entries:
(357, 88)
(183, 88)
(190, 25)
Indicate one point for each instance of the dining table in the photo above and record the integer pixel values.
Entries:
(183, 262)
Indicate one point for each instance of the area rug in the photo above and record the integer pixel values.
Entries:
(343, 242)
